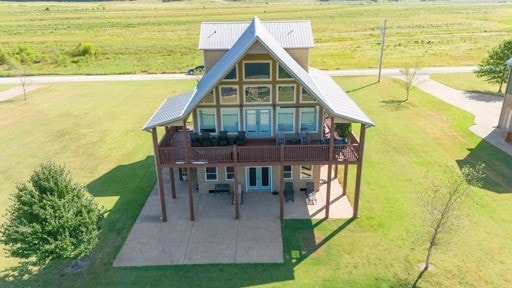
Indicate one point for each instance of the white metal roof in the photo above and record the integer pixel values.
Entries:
(222, 35)
(316, 82)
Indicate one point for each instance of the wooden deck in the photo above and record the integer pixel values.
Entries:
(256, 151)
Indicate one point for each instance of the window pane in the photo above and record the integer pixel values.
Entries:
(257, 94)
(286, 93)
(229, 94)
(287, 172)
(306, 172)
(285, 119)
(207, 120)
(257, 70)
(231, 75)
(211, 173)
(306, 96)
(230, 173)
(208, 99)
(282, 74)
(308, 119)
(230, 120)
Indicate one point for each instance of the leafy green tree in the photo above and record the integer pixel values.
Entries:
(441, 202)
(493, 67)
(50, 218)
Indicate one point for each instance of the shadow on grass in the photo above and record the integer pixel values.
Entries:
(395, 105)
(362, 87)
(498, 166)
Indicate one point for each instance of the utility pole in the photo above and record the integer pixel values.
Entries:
(383, 32)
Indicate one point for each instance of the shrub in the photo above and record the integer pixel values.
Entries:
(84, 50)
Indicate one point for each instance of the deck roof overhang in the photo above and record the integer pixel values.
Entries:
(327, 92)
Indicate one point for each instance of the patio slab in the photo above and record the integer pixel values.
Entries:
(215, 236)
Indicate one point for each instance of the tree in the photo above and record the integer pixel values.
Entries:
(410, 77)
(441, 204)
(493, 68)
(50, 218)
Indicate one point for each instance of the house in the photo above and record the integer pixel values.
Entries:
(506, 110)
(261, 117)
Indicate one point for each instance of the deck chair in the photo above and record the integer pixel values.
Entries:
(240, 138)
(194, 139)
(223, 138)
(289, 194)
(310, 193)
(207, 140)
(304, 137)
(280, 138)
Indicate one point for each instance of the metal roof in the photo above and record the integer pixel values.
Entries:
(170, 110)
(316, 82)
(222, 35)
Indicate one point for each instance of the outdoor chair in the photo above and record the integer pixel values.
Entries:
(289, 194)
(223, 138)
(280, 138)
(304, 137)
(310, 193)
(207, 140)
(240, 138)
(194, 139)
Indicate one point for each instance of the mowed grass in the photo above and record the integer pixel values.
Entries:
(94, 128)
(468, 82)
(156, 37)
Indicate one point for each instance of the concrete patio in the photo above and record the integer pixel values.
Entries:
(215, 236)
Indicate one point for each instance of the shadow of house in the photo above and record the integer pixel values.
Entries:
(498, 166)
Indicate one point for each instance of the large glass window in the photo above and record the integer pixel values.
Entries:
(231, 75)
(282, 74)
(305, 96)
(229, 119)
(257, 94)
(306, 172)
(308, 119)
(287, 172)
(228, 94)
(285, 119)
(210, 173)
(209, 98)
(230, 173)
(257, 70)
(207, 120)
(285, 93)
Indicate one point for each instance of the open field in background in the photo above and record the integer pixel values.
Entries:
(95, 129)
(468, 82)
(156, 37)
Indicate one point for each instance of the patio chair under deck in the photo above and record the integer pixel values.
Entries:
(289, 194)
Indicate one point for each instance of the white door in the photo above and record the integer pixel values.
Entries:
(258, 122)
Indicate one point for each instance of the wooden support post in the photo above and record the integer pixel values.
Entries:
(235, 188)
(345, 176)
(281, 185)
(336, 171)
(173, 183)
(189, 171)
(159, 175)
(359, 170)
(329, 170)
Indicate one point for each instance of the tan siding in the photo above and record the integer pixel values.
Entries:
(301, 56)
(211, 57)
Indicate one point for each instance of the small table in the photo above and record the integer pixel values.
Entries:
(219, 188)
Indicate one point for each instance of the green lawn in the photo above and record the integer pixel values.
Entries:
(94, 128)
(346, 35)
(467, 82)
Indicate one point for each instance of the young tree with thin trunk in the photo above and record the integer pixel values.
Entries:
(410, 77)
(441, 203)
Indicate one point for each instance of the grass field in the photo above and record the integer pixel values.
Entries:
(95, 129)
(468, 82)
(156, 37)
